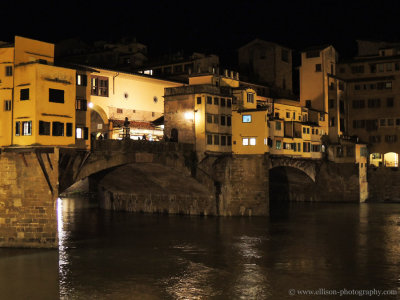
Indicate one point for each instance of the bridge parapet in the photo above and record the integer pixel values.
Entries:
(139, 146)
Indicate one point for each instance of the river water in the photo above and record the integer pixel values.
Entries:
(320, 248)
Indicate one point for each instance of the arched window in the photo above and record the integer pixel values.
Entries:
(391, 159)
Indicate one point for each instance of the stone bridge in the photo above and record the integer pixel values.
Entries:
(31, 178)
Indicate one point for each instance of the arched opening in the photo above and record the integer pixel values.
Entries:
(375, 159)
(98, 123)
(288, 184)
(174, 135)
(391, 160)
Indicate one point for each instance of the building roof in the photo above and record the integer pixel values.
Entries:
(317, 47)
(255, 41)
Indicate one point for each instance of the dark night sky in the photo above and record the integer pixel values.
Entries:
(212, 26)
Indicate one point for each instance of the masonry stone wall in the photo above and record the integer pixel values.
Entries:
(28, 216)
(384, 184)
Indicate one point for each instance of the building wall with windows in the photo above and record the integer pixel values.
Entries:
(6, 94)
(44, 105)
(41, 110)
(316, 64)
(200, 113)
(82, 111)
(116, 95)
(373, 95)
(266, 62)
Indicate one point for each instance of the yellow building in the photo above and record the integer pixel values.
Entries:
(201, 112)
(39, 98)
(115, 96)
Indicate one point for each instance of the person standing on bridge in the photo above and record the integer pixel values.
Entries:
(126, 130)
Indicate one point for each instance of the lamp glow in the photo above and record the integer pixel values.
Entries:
(90, 105)
(189, 115)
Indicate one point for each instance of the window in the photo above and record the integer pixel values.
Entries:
(24, 94)
(306, 147)
(358, 124)
(99, 86)
(82, 133)
(318, 68)
(308, 103)
(44, 128)
(209, 139)
(371, 124)
(397, 122)
(7, 105)
(308, 130)
(252, 141)
(250, 97)
(246, 119)
(81, 79)
(245, 141)
(278, 145)
(229, 140)
(372, 103)
(358, 104)
(278, 125)
(120, 110)
(223, 103)
(228, 121)
(390, 102)
(17, 128)
(27, 128)
(56, 96)
(209, 100)
(79, 133)
(209, 118)
(341, 86)
(223, 140)
(198, 100)
(223, 120)
(357, 69)
(373, 139)
(332, 122)
(388, 66)
(380, 67)
(287, 115)
(390, 122)
(216, 101)
(9, 71)
(216, 139)
(81, 104)
(216, 119)
(382, 122)
(285, 55)
(58, 129)
(390, 138)
(341, 106)
(228, 102)
(69, 129)
(372, 68)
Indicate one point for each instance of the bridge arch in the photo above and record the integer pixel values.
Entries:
(307, 166)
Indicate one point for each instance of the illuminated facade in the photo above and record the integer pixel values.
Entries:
(373, 95)
(38, 98)
(115, 96)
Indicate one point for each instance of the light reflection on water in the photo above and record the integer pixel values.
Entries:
(116, 255)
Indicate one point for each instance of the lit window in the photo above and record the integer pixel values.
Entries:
(79, 133)
(252, 141)
(278, 145)
(81, 80)
(245, 141)
(99, 86)
(27, 128)
(246, 118)
(250, 97)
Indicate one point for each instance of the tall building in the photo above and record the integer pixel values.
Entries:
(266, 63)
(38, 97)
(373, 99)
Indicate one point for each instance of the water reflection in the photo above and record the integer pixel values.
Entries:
(116, 255)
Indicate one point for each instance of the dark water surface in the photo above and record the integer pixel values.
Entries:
(115, 255)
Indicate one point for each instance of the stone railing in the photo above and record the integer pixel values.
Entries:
(139, 146)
